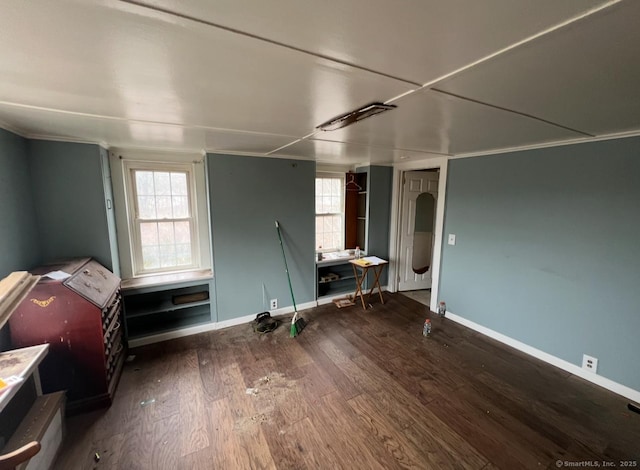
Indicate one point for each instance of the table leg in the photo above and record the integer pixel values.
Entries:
(359, 281)
(377, 270)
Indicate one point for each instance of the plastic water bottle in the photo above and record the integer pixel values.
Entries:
(442, 308)
(357, 252)
(426, 329)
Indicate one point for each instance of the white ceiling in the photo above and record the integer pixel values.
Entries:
(256, 77)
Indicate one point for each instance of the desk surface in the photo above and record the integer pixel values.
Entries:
(21, 362)
(368, 261)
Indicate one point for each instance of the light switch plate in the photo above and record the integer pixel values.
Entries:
(452, 239)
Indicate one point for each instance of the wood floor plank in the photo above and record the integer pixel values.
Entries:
(356, 389)
(167, 450)
(194, 428)
(389, 436)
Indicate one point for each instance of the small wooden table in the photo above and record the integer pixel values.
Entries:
(364, 264)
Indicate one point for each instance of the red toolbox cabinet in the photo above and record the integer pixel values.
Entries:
(81, 319)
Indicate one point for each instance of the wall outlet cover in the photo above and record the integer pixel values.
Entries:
(274, 304)
(589, 363)
(452, 239)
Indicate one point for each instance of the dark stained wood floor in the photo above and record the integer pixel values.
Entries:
(355, 390)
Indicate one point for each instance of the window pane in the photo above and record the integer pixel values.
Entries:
(147, 207)
(180, 206)
(144, 183)
(162, 182)
(167, 256)
(329, 234)
(165, 233)
(179, 184)
(183, 255)
(150, 257)
(163, 207)
(149, 234)
(182, 232)
(336, 187)
(335, 204)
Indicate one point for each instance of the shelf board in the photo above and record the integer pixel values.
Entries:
(164, 307)
(343, 278)
(169, 324)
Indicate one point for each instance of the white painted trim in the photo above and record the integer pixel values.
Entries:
(14, 130)
(212, 326)
(396, 202)
(71, 140)
(577, 141)
(603, 382)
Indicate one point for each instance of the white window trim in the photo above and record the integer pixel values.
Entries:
(122, 161)
(134, 223)
(341, 176)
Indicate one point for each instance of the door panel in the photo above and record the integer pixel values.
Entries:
(415, 184)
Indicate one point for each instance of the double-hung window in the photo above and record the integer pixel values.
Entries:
(329, 212)
(163, 224)
(162, 218)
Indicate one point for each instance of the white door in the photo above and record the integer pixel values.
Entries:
(415, 183)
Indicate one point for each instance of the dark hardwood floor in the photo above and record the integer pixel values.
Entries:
(355, 390)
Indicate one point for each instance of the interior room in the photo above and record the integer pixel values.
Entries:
(240, 234)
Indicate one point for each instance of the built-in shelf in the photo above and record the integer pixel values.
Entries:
(165, 307)
(345, 282)
(152, 309)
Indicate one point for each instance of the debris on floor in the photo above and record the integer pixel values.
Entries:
(130, 358)
(147, 402)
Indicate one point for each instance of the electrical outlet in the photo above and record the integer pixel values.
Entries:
(274, 304)
(589, 363)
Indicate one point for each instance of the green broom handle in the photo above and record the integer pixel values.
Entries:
(286, 268)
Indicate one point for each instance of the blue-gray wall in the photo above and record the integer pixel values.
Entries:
(68, 191)
(19, 249)
(247, 195)
(548, 250)
(379, 187)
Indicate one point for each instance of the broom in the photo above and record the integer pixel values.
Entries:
(297, 324)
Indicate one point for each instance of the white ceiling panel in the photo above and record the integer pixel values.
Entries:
(428, 121)
(325, 151)
(239, 76)
(126, 133)
(584, 76)
(85, 57)
(415, 41)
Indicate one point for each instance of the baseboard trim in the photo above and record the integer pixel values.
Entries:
(212, 326)
(609, 384)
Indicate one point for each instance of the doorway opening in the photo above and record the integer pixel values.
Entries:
(418, 218)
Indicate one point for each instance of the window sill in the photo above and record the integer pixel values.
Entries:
(162, 279)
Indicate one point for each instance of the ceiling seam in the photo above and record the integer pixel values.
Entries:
(400, 149)
(266, 40)
(435, 81)
(136, 121)
(530, 116)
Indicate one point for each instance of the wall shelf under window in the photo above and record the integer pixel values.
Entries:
(160, 308)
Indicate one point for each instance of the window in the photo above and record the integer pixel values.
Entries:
(162, 218)
(163, 224)
(329, 212)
